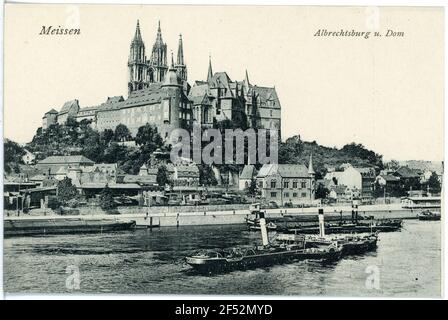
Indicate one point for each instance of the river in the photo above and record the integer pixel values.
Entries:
(405, 264)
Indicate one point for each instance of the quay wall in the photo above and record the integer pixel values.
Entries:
(177, 217)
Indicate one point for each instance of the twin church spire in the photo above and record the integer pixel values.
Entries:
(143, 71)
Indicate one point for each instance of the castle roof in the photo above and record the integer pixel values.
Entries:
(200, 94)
(266, 94)
(68, 105)
(114, 99)
(151, 95)
(51, 111)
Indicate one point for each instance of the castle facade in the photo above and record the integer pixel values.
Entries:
(159, 94)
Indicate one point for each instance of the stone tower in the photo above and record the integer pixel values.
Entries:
(137, 65)
(158, 63)
(172, 87)
(180, 65)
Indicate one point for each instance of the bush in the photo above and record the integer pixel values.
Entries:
(107, 199)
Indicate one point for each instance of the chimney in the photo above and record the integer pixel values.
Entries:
(264, 231)
(321, 223)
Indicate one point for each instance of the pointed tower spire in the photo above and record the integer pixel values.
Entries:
(180, 66)
(210, 71)
(246, 83)
(172, 60)
(137, 66)
(246, 79)
(180, 52)
(310, 166)
(137, 36)
(159, 40)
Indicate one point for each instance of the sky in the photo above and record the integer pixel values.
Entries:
(384, 92)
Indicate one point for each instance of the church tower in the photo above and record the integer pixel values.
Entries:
(210, 71)
(137, 66)
(180, 65)
(158, 62)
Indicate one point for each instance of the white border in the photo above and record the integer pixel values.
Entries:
(218, 297)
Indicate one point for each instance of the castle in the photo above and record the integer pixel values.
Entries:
(160, 95)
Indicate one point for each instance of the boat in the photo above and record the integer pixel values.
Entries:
(270, 226)
(377, 226)
(365, 226)
(351, 244)
(39, 226)
(428, 215)
(212, 261)
(270, 253)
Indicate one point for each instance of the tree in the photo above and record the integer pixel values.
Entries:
(290, 150)
(433, 183)
(107, 199)
(93, 148)
(378, 190)
(206, 175)
(122, 133)
(66, 191)
(148, 135)
(13, 154)
(252, 190)
(359, 151)
(393, 165)
(162, 176)
(107, 136)
(321, 191)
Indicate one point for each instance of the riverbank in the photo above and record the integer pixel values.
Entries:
(147, 217)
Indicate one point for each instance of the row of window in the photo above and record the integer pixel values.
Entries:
(183, 115)
(286, 184)
(286, 195)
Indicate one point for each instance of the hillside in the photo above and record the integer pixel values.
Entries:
(294, 150)
(78, 138)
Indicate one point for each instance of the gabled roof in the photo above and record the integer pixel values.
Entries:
(102, 167)
(284, 170)
(52, 111)
(145, 179)
(406, 172)
(248, 172)
(38, 177)
(92, 108)
(68, 105)
(266, 94)
(151, 95)
(60, 160)
(187, 169)
(220, 80)
(389, 178)
(339, 189)
(366, 171)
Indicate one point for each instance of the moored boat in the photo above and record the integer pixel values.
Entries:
(39, 226)
(428, 215)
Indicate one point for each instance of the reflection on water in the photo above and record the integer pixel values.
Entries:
(143, 261)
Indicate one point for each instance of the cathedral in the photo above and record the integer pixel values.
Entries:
(159, 94)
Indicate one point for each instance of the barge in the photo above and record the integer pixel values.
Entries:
(33, 227)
